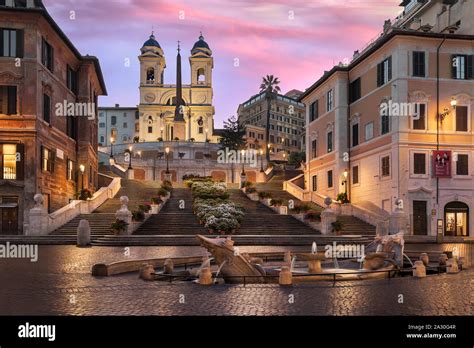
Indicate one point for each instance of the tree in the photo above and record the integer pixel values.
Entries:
(233, 137)
(271, 89)
(295, 158)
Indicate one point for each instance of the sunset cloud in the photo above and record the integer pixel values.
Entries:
(295, 42)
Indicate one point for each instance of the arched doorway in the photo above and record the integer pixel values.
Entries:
(456, 219)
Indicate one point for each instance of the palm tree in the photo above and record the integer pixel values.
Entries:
(271, 89)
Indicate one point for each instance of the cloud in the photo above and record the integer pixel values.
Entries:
(296, 41)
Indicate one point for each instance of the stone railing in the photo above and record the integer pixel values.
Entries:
(42, 223)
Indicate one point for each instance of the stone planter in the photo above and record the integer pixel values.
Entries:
(253, 196)
(299, 216)
(267, 201)
(281, 209)
(155, 209)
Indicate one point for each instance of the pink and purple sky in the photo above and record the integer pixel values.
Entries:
(295, 40)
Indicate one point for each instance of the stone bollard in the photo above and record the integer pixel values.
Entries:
(442, 259)
(205, 276)
(286, 278)
(83, 234)
(168, 266)
(419, 269)
(147, 272)
(425, 258)
(452, 266)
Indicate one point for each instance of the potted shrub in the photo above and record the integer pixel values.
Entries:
(342, 198)
(136, 139)
(163, 193)
(176, 139)
(119, 227)
(84, 195)
(245, 185)
(181, 155)
(145, 208)
(252, 193)
(192, 140)
(276, 202)
(138, 216)
(313, 215)
(278, 206)
(155, 204)
(337, 226)
(160, 139)
(167, 185)
(266, 197)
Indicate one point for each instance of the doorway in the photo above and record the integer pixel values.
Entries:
(9, 216)
(456, 219)
(420, 218)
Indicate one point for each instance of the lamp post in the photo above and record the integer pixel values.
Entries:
(207, 131)
(344, 183)
(167, 150)
(112, 147)
(261, 161)
(284, 160)
(82, 168)
(161, 129)
(242, 152)
(130, 148)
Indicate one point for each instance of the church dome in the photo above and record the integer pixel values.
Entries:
(151, 45)
(201, 46)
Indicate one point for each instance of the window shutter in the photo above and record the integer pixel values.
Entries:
(454, 66)
(20, 165)
(470, 67)
(379, 74)
(20, 42)
(11, 91)
(43, 52)
(1, 42)
(53, 160)
(52, 58)
(42, 157)
(389, 68)
(1, 161)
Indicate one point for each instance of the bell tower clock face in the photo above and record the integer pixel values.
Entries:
(149, 98)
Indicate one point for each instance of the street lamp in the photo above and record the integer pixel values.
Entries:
(161, 129)
(111, 147)
(344, 183)
(261, 160)
(242, 152)
(167, 150)
(130, 148)
(82, 168)
(207, 131)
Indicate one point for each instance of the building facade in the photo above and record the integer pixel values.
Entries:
(287, 121)
(394, 128)
(158, 118)
(118, 123)
(48, 123)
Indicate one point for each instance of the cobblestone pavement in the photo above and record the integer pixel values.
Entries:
(60, 284)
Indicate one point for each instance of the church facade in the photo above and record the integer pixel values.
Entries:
(172, 112)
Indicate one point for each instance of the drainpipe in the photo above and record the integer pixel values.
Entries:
(349, 172)
(438, 236)
(437, 109)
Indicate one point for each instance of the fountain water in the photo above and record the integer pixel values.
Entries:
(292, 265)
(406, 256)
(219, 270)
(314, 248)
(205, 263)
(336, 263)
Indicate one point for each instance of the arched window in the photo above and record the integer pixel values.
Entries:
(150, 124)
(201, 77)
(150, 75)
(171, 101)
(456, 219)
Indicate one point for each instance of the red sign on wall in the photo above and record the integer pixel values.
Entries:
(442, 164)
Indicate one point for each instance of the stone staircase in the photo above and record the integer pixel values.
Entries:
(261, 220)
(354, 226)
(102, 218)
(172, 220)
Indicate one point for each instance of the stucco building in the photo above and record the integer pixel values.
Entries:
(118, 123)
(48, 123)
(419, 155)
(287, 121)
